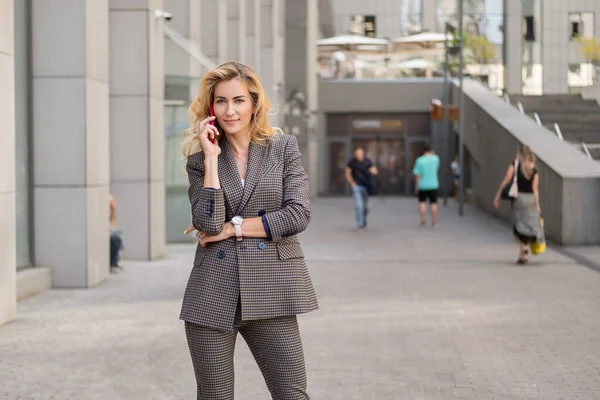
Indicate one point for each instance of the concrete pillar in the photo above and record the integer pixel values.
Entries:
(430, 21)
(295, 67)
(242, 31)
(233, 30)
(312, 88)
(8, 267)
(222, 31)
(266, 71)
(272, 69)
(209, 40)
(252, 36)
(137, 125)
(279, 59)
(513, 40)
(71, 139)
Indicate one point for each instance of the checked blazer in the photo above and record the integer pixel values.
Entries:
(266, 278)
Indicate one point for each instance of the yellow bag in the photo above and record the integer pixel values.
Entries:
(538, 248)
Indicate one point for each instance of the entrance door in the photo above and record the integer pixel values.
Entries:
(388, 156)
(338, 159)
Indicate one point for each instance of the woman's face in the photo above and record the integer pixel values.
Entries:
(233, 107)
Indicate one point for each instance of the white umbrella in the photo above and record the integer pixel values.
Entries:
(351, 40)
(424, 37)
(415, 63)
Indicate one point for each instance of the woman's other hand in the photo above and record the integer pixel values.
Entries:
(207, 133)
(227, 232)
(496, 202)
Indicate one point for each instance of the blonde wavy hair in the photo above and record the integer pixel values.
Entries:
(528, 161)
(261, 130)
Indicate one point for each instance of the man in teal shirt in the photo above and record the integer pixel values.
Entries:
(427, 183)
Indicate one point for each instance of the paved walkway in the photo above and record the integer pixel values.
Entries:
(406, 313)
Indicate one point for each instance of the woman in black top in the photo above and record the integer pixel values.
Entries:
(527, 225)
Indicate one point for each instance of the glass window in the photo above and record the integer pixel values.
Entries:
(581, 24)
(580, 75)
(531, 56)
(411, 16)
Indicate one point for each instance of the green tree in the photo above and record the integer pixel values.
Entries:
(481, 52)
(589, 48)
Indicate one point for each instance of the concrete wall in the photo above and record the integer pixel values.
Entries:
(7, 164)
(70, 136)
(137, 70)
(569, 181)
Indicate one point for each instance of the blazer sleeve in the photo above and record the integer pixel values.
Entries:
(295, 213)
(208, 205)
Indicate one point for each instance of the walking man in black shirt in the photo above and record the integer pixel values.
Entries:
(359, 173)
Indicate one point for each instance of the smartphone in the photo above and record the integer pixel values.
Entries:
(211, 113)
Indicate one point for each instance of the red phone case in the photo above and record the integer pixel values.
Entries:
(211, 113)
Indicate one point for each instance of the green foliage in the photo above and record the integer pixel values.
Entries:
(477, 50)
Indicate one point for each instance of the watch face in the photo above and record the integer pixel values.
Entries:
(236, 220)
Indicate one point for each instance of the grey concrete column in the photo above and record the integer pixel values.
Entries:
(243, 31)
(251, 37)
(429, 10)
(233, 30)
(137, 125)
(266, 71)
(71, 139)
(209, 41)
(312, 88)
(8, 267)
(279, 59)
(295, 66)
(513, 39)
(272, 54)
(222, 31)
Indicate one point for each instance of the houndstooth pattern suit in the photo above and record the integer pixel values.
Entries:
(254, 286)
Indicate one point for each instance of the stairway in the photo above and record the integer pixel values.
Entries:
(578, 119)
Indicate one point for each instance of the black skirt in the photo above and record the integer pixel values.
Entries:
(523, 238)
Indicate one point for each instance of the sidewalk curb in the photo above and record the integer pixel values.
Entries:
(578, 258)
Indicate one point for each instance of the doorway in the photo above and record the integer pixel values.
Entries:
(389, 156)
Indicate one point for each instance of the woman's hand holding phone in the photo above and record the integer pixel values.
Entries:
(208, 134)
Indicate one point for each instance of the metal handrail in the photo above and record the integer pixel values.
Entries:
(585, 149)
(537, 119)
(521, 108)
(558, 132)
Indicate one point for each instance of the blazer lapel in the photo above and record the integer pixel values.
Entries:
(256, 154)
(230, 179)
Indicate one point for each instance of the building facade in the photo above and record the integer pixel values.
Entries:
(93, 99)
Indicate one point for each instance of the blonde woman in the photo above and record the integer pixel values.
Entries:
(249, 197)
(526, 207)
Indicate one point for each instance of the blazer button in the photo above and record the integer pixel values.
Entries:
(261, 213)
(221, 254)
(262, 245)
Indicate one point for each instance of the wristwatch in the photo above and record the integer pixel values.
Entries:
(237, 226)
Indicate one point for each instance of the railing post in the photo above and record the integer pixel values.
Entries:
(558, 132)
(586, 150)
